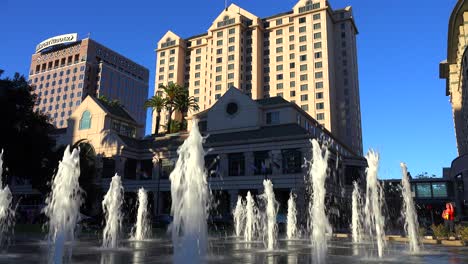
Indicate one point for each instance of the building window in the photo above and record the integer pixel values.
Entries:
(303, 67)
(291, 47)
(279, 77)
(317, 35)
(292, 93)
(219, 42)
(319, 85)
(272, 118)
(305, 108)
(279, 40)
(218, 87)
(318, 65)
(292, 84)
(317, 26)
(302, 38)
(321, 116)
(292, 160)
(304, 87)
(302, 29)
(279, 58)
(230, 57)
(319, 106)
(279, 49)
(303, 58)
(231, 76)
(304, 97)
(85, 121)
(316, 16)
(302, 20)
(232, 31)
(279, 21)
(318, 75)
(279, 67)
(236, 164)
(319, 95)
(232, 40)
(279, 32)
(303, 48)
(217, 96)
(303, 77)
(318, 55)
(279, 86)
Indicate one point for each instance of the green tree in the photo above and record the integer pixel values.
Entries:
(156, 103)
(29, 150)
(114, 102)
(185, 103)
(171, 91)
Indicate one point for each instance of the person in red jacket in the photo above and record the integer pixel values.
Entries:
(449, 216)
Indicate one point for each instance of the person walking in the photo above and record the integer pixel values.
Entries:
(449, 216)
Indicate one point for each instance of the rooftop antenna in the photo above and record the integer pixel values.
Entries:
(225, 5)
(89, 34)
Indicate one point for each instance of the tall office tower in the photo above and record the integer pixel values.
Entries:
(64, 70)
(306, 55)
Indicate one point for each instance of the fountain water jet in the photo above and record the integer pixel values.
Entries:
(7, 214)
(291, 228)
(356, 225)
(408, 210)
(142, 228)
(374, 199)
(239, 216)
(319, 224)
(112, 207)
(251, 218)
(63, 204)
(270, 228)
(190, 197)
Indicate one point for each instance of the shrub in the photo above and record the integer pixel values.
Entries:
(439, 231)
(422, 231)
(462, 232)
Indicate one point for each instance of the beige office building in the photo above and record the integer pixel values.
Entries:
(306, 55)
(455, 71)
(64, 70)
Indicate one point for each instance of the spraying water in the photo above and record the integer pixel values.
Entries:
(63, 204)
(356, 225)
(142, 228)
(271, 228)
(189, 191)
(112, 207)
(291, 229)
(319, 224)
(408, 210)
(374, 199)
(239, 216)
(250, 218)
(7, 214)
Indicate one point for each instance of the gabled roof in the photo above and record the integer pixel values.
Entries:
(272, 101)
(115, 110)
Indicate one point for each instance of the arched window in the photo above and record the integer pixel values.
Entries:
(85, 121)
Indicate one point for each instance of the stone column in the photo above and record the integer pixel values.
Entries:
(233, 199)
(277, 158)
(138, 170)
(249, 163)
(120, 165)
(223, 165)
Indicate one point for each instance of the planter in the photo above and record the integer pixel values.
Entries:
(453, 243)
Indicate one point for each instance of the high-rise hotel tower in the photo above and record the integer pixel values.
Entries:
(64, 70)
(306, 55)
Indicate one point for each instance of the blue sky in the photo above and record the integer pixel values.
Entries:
(405, 113)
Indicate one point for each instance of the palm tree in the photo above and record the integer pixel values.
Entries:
(171, 90)
(157, 103)
(185, 103)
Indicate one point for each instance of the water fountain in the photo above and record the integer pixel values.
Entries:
(142, 228)
(112, 207)
(409, 212)
(251, 218)
(7, 214)
(239, 216)
(374, 219)
(63, 204)
(356, 224)
(270, 228)
(291, 228)
(189, 191)
(319, 223)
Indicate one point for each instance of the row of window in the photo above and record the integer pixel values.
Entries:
(58, 98)
(57, 106)
(60, 74)
(57, 63)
